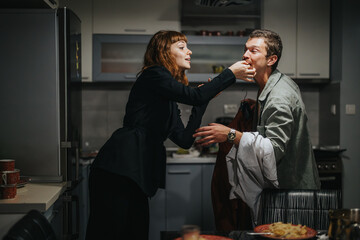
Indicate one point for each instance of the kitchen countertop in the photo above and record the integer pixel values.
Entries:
(180, 160)
(39, 196)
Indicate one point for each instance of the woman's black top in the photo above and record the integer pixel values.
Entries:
(136, 150)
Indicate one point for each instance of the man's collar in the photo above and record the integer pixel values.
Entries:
(273, 79)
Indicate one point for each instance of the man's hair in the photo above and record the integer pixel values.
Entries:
(158, 53)
(273, 43)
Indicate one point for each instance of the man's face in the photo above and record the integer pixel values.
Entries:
(255, 54)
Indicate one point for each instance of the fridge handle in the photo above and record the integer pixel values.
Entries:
(77, 156)
(77, 162)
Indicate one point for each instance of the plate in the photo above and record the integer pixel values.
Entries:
(310, 232)
(210, 237)
(21, 183)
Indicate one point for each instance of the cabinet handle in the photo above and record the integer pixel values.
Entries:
(309, 74)
(134, 30)
(179, 172)
(130, 76)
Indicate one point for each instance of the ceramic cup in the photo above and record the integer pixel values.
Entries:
(9, 177)
(7, 165)
(8, 191)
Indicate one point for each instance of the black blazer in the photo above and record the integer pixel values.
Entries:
(152, 115)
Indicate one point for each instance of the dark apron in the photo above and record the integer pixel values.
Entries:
(232, 214)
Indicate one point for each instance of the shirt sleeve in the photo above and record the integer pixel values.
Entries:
(165, 85)
(278, 127)
(251, 168)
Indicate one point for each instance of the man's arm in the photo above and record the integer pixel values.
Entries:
(215, 133)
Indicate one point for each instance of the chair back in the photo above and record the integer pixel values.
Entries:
(306, 207)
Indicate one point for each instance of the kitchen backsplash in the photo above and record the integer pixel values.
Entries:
(104, 109)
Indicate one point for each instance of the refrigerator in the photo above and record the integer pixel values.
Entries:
(40, 99)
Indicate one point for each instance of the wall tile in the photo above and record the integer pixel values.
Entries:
(94, 128)
(94, 100)
(117, 100)
(103, 111)
(310, 99)
(313, 126)
(115, 121)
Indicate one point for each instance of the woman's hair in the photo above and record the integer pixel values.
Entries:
(158, 53)
(273, 43)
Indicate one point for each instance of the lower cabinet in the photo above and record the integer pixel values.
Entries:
(186, 199)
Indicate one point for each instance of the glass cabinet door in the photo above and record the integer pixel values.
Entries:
(212, 54)
(120, 57)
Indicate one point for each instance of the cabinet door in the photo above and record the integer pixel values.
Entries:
(118, 57)
(183, 196)
(313, 48)
(209, 53)
(305, 33)
(280, 17)
(135, 17)
(208, 220)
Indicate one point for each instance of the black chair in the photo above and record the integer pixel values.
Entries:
(33, 226)
(306, 207)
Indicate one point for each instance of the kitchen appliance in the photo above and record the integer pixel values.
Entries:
(329, 165)
(29, 4)
(40, 92)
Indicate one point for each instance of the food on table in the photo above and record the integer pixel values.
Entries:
(182, 151)
(287, 230)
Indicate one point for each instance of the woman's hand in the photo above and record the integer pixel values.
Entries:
(243, 70)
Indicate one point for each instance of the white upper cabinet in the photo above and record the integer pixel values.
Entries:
(135, 17)
(313, 47)
(304, 27)
(280, 16)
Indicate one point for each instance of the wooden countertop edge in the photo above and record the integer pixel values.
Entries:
(24, 201)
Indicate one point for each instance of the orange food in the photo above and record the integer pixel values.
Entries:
(287, 230)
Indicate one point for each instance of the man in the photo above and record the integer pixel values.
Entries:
(278, 154)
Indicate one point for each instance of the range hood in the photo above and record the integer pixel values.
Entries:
(205, 11)
(221, 3)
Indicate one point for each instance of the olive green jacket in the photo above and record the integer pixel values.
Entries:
(283, 121)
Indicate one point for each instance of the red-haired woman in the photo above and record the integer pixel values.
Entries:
(130, 167)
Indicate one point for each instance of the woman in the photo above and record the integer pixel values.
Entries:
(130, 167)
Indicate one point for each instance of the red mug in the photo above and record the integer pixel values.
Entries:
(7, 165)
(7, 191)
(9, 177)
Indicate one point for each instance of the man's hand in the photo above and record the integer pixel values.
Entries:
(243, 70)
(214, 133)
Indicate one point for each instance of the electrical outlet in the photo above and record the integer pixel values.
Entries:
(350, 109)
(230, 108)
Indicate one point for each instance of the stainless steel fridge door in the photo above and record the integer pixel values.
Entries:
(29, 93)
